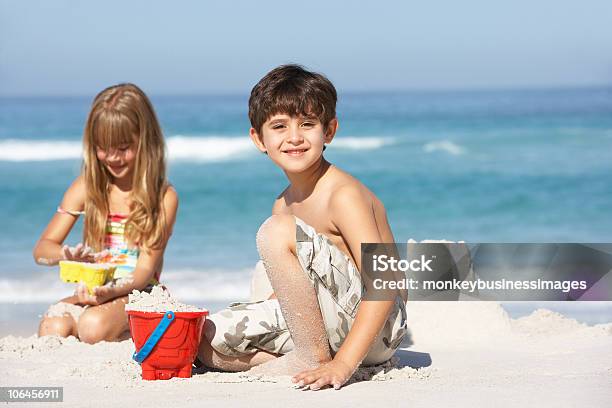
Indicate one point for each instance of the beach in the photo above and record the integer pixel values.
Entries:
(457, 354)
(482, 166)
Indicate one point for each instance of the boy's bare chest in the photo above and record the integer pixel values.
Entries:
(317, 215)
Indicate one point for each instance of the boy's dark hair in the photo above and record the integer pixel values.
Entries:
(292, 90)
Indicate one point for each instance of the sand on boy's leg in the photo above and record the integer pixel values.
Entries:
(296, 296)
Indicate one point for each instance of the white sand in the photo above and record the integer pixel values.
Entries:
(463, 354)
(59, 309)
(159, 300)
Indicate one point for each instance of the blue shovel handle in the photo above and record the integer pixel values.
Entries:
(157, 334)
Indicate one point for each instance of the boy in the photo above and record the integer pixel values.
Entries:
(310, 247)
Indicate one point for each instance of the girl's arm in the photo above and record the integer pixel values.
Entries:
(49, 250)
(148, 261)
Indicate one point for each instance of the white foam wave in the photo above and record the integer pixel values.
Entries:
(180, 148)
(444, 146)
(361, 143)
(207, 149)
(186, 285)
(39, 150)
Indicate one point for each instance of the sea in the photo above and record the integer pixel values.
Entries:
(532, 165)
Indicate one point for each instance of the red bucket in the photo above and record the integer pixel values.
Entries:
(177, 347)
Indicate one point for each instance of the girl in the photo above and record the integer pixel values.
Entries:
(129, 210)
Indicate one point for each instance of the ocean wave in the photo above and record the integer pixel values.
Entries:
(444, 146)
(208, 149)
(361, 143)
(187, 285)
(39, 150)
(180, 148)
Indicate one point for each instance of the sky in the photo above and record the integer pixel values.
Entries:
(71, 47)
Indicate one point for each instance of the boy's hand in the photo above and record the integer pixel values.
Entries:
(334, 373)
(101, 294)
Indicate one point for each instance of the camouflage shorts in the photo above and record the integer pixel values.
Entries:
(247, 327)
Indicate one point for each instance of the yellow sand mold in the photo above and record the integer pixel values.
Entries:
(91, 274)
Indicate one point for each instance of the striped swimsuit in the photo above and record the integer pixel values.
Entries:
(122, 256)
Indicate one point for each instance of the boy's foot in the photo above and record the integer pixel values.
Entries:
(289, 364)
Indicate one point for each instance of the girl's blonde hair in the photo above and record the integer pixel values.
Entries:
(122, 115)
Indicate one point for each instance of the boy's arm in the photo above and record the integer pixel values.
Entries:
(353, 215)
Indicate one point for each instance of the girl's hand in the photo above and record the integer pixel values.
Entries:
(101, 294)
(334, 373)
(79, 253)
(82, 253)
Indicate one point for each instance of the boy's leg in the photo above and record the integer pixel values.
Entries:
(106, 322)
(339, 290)
(213, 359)
(244, 335)
(296, 295)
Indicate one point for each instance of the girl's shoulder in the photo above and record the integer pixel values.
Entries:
(170, 196)
(75, 195)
